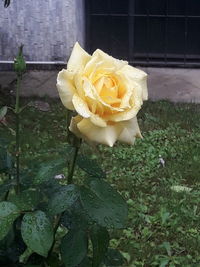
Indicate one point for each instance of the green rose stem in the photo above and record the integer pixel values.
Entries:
(20, 68)
(7, 192)
(75, 143)
(17, 134)
(71, 168)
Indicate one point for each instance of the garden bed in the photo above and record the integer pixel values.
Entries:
(158, 176)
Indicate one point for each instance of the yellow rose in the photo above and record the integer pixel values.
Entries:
(106, 93)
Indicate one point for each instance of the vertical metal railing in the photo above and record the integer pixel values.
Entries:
(166, 31)
(168, 54)
(87, 25)
(131, 21)
(185, 33)
(112, 40)
(147, 31)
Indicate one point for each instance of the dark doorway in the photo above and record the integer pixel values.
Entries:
(146, 32)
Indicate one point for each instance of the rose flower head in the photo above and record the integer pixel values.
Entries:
(106, 93)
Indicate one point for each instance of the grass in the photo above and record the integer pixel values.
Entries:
(163, 227)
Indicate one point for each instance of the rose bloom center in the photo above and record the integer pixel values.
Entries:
(108, 90)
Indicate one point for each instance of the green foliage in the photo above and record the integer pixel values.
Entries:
(3, 112)
(90, 166)
(104, 204)
(52, 217)
(26, 254)
(5, 161)
(48, 170)
(63, 199)
(27, 200)
(5, 157)
(114, 258)
(19, 62)
(163, 220)
(76, 217)
(37, 232)
(74, 247)
(6, 186)
(100, 241)
(8, 213)
(163, 200)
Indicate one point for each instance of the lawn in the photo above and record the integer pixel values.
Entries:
(159, 177)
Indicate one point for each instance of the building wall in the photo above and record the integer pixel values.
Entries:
(48, 29)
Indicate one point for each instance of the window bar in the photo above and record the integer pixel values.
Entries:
(186, 34)
(142, 15)
(166, 34)
(111, 25)
(131, 20)
(147, 35)
(87, 26)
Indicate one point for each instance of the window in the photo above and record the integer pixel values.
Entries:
(146, 32)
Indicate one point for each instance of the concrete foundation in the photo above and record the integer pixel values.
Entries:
(176, 85)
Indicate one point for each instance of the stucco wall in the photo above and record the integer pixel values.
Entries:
(47, 28)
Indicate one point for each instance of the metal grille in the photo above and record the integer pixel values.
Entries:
(146, 32)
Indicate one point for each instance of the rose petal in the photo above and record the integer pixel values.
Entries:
(78, 59)
(130, 131)
(66, 88)
(99, 84)
(132, 90)
(75, 120)
(94, 95)
(125, 100)
(78, 81)
(107, 94)
(103, 61)
(122, 116)
(98, 121)
(137, 76)
(98, 71)
(107, 135)
(81, 106)
(125, 131)
(95, 106)
(87, 88)
(108, 60)
(73, 126)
